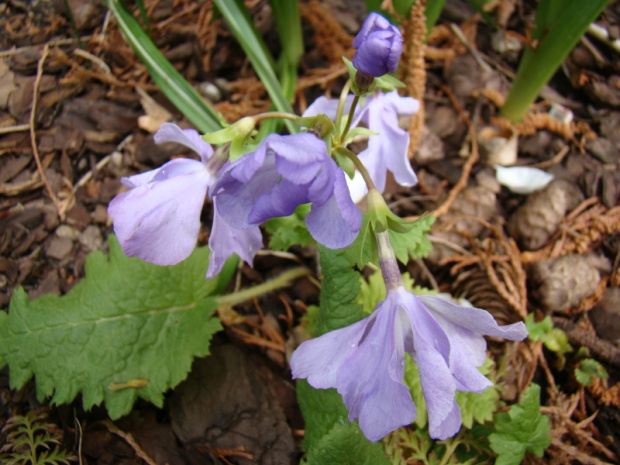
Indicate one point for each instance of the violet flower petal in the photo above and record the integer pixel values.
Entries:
(151, 222)
(379, 45)
(319, 360)
(169, 132)
(226, 240)
(371, 379)
(335, 224)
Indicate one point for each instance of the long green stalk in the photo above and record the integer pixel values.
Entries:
(172, 84)
(559, 25)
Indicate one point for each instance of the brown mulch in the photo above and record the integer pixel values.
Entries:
(74, 119)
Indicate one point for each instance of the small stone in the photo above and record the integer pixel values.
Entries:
(59, 247)
(91, 238)
(562, 283)
(606, 315)
(67, 232)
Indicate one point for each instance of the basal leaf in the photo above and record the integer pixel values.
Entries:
(130, 329)
(522, 429)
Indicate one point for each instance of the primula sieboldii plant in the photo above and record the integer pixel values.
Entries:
(158, 220)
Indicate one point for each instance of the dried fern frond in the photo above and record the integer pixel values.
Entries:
(31, 441)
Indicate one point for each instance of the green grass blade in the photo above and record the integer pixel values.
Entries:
(559, 25)
(172, 84)
(252, 43)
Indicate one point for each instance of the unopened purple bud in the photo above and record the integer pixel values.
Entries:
(379, 45)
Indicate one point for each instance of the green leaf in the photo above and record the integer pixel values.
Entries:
(523, 429)
(127, 323)
(288, 231)
(559, 25)
(345, 444)
(412, 243)
(554, 339)
(322, 409)
(172, 84)
(340, 288)
(588, 369)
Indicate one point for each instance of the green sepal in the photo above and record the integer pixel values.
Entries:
(343, 160)
(237, 134)
(358, 131)
(320, 125)
(382, 218)
(387, 82)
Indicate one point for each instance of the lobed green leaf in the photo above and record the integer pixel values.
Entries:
(127, 323)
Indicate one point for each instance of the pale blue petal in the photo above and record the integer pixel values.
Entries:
(226, 240)
(159, 221)
(169, 132)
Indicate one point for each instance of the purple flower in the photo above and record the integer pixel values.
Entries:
(379, 45)
(283, 173)
(158, 220)
(365, 361)
(387, 150)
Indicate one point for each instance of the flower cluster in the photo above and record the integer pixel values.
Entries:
(158, 220)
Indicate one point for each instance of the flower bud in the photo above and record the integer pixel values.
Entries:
(379, 45)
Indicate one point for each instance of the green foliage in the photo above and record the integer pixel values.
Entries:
(559, 25)
(554, 338)
(288, 231)
(127, 324)
(172, 84)
(340, 288)
(412, 244)
(344, 444)
(29, 442)
(588, 369)
(523, 429)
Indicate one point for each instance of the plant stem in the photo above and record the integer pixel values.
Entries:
(361, 168)
(387, 261)
(351, 112)
(343, 98)
(275, 114)
(282, 280)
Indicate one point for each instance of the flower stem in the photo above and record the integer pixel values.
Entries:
(282, 280)
(361, 168)
(275, 114)
(343, 99)
(351, 112)
(387, 261)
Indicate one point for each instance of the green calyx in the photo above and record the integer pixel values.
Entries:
(237, 134)
(381, 217)
(360, 87)
(319, 125)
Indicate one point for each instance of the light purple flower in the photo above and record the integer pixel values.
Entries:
(158, 220)
(387, 150)
(379, 45)
(365, 361)
(283, 173)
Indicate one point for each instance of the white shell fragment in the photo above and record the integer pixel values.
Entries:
(522, 179)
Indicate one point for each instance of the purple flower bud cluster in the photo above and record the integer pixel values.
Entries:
(379, 45)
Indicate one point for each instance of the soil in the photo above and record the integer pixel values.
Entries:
(77, 112)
